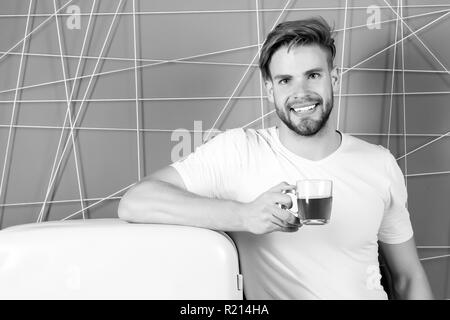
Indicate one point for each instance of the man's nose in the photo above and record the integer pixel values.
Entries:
(300, 89)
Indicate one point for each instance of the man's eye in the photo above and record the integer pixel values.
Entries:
(314, 75)
(283, 81)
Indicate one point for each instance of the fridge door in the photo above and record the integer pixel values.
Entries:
(113, 259)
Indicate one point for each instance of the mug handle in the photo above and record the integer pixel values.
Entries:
(293, 195)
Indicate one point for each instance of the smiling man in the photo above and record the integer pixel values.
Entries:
(237, 181)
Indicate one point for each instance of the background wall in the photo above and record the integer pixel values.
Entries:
(144, 81)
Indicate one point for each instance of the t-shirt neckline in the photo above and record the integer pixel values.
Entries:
(294, 155)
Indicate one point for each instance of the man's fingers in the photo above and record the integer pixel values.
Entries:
(283, 226)
(286, 216)
(282, 186)
(282, 199)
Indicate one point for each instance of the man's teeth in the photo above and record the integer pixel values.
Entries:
(303, 109)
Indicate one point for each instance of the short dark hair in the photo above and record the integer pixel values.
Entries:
(296, 33)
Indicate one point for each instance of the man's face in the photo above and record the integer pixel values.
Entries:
(301, 87)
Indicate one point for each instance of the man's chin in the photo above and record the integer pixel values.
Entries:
(307, 128)
(306, 132)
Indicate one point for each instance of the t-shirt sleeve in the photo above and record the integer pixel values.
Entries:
(396, 225)
(212, 170)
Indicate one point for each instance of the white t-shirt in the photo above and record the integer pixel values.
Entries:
(334, 261)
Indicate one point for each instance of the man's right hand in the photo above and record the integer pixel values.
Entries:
(264, 215)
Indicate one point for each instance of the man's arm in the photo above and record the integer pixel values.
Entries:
(163, 198)
(408, 277)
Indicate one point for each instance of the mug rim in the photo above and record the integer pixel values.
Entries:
(331, 184)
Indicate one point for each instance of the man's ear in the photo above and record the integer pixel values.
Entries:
(269, 90)
(335, 78)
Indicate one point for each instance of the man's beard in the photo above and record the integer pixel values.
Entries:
(307, 126)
